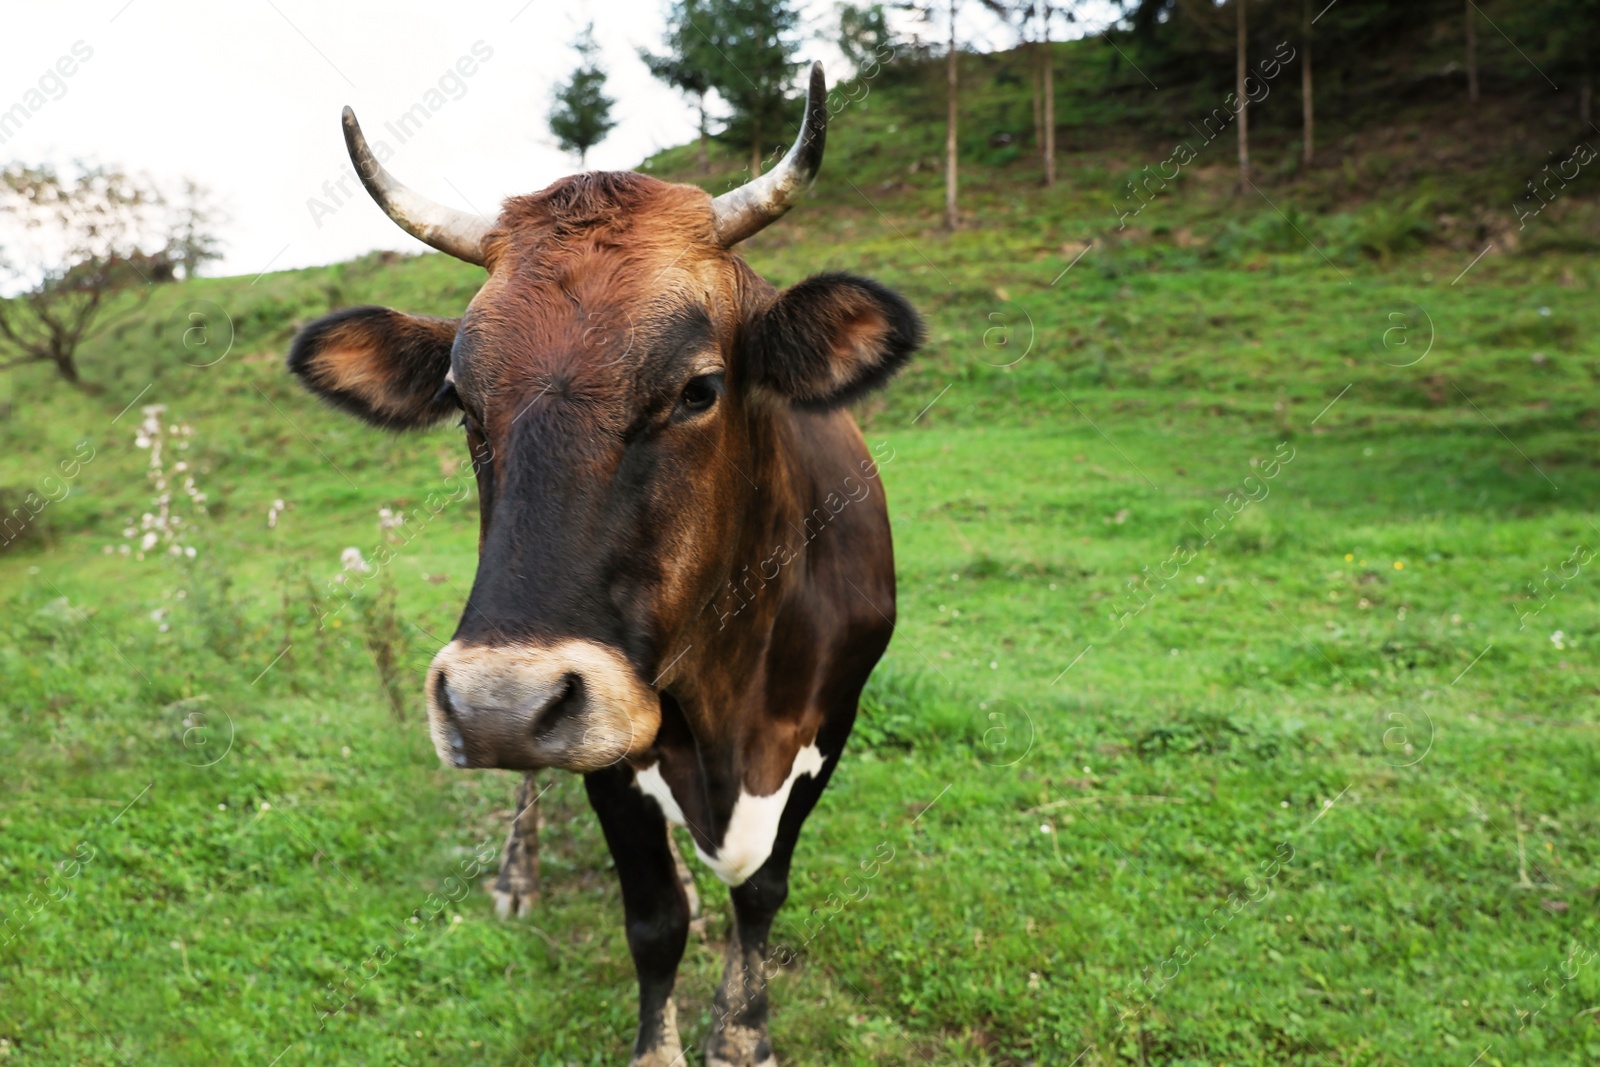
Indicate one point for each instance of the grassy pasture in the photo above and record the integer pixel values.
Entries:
(1322, 791)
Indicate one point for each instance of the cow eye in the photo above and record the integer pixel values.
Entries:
(700, 393)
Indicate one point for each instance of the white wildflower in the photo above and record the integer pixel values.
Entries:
(389, 523)
(163, 525)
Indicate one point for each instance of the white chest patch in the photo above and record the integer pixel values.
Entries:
(652, 785)
(753, 825)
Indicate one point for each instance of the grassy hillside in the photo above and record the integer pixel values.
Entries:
(1321, 792)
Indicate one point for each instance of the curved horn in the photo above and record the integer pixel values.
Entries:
(763, 200)
(456, 233)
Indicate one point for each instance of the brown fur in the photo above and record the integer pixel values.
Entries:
(616, 514)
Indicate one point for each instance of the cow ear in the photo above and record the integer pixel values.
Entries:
(832, 338)
(382, 366)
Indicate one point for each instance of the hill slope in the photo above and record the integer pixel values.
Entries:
(1318, 790)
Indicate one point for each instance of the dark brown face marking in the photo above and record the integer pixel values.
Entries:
(627, 384)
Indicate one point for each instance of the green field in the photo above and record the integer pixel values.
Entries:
(1322, 791)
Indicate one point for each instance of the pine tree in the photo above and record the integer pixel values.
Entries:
(688, 60)
(580, 116)
(753, 42)
(864, 35)
(742, 50)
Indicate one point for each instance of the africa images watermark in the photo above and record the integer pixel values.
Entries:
(51, 85)
(1581, 156)
(1252, 490)
(339, 996)
(837, 100)
(343, 587)
(57, 887)
(1182, 154)
(1581, 557)
(452, 85)
(1566, 971)
(1154, 979)
(739, 591)
(51, 489)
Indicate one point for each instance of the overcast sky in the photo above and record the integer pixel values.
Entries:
(244, 96)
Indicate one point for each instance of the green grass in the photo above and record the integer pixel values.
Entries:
(1055, 793)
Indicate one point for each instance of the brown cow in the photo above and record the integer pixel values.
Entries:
(685, 573)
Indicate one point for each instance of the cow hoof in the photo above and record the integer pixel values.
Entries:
(511, 904)
(661, 1056)
(668, 1049)
(740, 1046)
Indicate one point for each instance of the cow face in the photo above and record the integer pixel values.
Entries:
(618, 377)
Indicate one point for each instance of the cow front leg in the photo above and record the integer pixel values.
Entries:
(653, 904)
(516, 888)
(739, 1035)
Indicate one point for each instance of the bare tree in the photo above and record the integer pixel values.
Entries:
(1048, 92)
(71, 246)
(1472, 54)
(1307, 112)
(1033, 18)
(951, 218)
(1242, 70)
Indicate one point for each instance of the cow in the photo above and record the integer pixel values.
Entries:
(685, 573)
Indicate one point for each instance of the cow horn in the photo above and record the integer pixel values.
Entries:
(760, 201)
(456, 233)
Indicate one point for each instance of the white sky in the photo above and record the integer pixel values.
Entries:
(244, 96)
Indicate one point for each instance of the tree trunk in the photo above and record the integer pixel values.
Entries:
(950, 217)
(1049, 105)
(1307, 111)
(705, 155)
(1242, 71)
(1038, 103)
(1472, 55)
(67, 367)
(1586, 99)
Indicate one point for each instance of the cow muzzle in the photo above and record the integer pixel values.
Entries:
(573, 704)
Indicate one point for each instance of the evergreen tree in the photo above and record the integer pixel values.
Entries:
(1559, 41)
(689, 58)
(864, 36)
(580, 116)
(750, 65)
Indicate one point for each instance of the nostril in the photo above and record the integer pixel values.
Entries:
(567, 703)
(458, 747)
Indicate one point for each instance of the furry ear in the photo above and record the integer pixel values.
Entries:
(382, 366)
(832, 338)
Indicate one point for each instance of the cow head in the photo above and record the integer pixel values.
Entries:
(618, 376)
